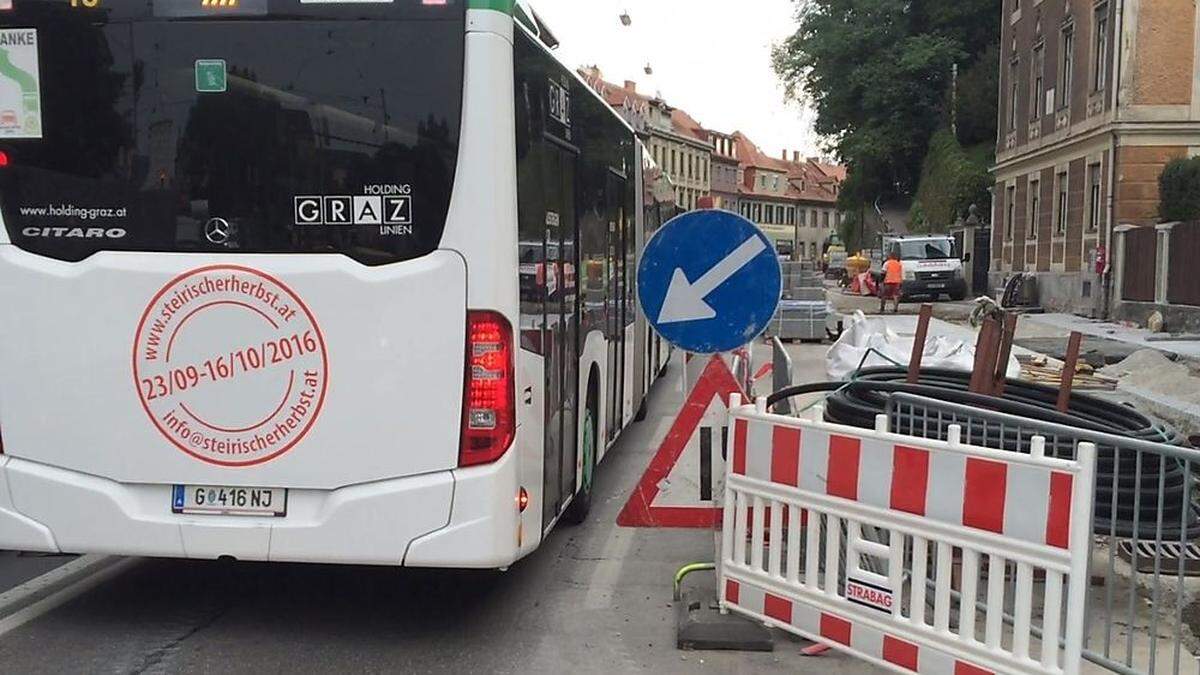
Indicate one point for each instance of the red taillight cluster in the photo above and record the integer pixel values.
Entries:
(489, 399)
(3, 159)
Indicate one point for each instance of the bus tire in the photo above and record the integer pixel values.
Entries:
(577, 512)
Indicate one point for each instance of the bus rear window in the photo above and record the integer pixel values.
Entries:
(246, 135)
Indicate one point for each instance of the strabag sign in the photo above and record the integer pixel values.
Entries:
(230, 365)
(869, 595)
(20, 84)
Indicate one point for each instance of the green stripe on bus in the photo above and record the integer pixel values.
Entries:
(505, 6)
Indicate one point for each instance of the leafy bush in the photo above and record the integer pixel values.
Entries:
(1179, 190)
(952, 179)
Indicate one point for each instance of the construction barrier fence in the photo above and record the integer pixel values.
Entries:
(920, 555)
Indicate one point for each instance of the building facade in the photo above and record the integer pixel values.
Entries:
(793, 200)
(678, 143)
(725, 174)
(1096, 96)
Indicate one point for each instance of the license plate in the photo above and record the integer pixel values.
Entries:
(937, 285)
(229, 501)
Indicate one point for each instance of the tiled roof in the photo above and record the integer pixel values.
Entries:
(805, 181)
(834, 171)
(684, 125)
(614, 94)
(751, 156)
(808, 180)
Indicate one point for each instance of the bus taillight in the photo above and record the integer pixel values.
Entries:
(3, 159)
(489, 401)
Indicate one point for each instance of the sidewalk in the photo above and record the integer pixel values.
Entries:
(1136, 337)
(1160, 377)
(955, 311)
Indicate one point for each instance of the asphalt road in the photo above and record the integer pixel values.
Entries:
(955, 311)
(593, 599)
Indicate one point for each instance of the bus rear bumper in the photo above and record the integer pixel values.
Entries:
(487, 530)
(44, 508)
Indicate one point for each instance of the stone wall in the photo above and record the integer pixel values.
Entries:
(1176, 318)
(1162, 69)
(1138, 170)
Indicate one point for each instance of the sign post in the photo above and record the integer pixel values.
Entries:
(709, 282)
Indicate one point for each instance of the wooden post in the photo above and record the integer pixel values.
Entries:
(1068, 372)
(985, 356)
(1006, 344)
(914, 362)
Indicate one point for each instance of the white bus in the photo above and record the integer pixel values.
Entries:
(329, 281)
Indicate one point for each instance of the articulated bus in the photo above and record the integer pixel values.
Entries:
(291, 280)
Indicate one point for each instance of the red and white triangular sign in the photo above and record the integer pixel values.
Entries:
(670, 492)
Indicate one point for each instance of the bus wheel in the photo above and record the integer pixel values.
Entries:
(577, 512)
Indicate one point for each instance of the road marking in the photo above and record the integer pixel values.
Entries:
(608, 569)
(42, 594)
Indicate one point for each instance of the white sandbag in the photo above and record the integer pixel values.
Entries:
(870, 341)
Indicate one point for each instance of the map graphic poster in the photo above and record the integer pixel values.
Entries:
(20, 88)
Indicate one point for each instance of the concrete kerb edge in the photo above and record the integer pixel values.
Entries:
(33, 591)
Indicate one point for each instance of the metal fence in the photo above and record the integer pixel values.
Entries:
(1144, 600)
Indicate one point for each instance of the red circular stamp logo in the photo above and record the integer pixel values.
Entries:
(230, 365)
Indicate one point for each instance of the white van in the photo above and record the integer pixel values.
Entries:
(932, 265)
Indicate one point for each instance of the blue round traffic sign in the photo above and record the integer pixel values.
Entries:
(709, 281)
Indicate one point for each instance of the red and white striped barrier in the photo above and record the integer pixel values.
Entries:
(853, 537)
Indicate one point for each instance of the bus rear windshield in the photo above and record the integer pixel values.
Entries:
(302, 133)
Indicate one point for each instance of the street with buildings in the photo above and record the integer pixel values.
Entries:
(505, 336)
(791, 197)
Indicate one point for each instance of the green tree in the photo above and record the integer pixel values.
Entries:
(978, 99)
(952, 179)
(878, 73)
(1179, 190)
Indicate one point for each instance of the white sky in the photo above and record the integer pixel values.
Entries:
(710, 57)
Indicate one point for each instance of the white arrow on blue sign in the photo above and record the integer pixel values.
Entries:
(709, 281)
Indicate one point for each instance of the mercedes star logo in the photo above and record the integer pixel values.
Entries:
(217, 230)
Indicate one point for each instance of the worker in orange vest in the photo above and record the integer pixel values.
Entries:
(893, 277)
